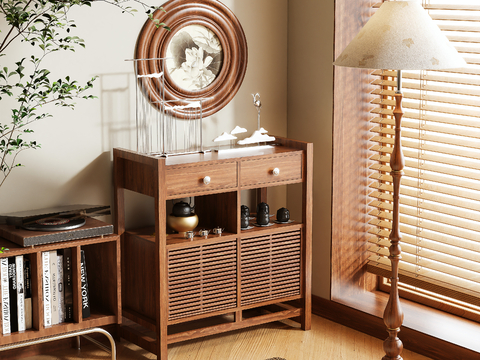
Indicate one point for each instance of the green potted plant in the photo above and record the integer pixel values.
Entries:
(46, 27)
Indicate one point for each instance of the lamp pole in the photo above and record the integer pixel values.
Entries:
(393, 314)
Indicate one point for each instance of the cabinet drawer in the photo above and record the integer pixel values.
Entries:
(189, 180)
(264, 171)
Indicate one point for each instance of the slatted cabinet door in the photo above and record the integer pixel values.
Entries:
(202, 279)
(270, 267)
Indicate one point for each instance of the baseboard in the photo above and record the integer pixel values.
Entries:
(413, 340)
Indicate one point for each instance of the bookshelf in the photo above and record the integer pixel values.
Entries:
(176, 289)
(102, 256)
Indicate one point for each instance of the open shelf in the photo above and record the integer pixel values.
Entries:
(102, 256)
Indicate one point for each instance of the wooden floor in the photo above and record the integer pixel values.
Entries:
(326, 341)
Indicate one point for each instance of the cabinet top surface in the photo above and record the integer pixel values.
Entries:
(213, 155)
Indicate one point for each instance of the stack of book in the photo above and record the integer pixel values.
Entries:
(16, 294)
(57, 285)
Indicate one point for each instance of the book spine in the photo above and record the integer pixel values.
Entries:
(27, 280)
(20, 293)
(47, 309)
(5, 296)
(60, 292)
(84, 286)
(68, 284)
(12, 286)
(53, 286)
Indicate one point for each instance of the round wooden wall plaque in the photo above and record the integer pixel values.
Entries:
(206, 51)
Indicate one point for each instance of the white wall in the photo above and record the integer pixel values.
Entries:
(74, 164)
(310, 99)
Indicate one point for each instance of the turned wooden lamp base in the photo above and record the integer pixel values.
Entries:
(393, 346)
(393, 315)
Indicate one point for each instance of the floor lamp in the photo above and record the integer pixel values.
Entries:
(399, 36)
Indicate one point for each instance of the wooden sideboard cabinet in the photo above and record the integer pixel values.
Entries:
(176, 289)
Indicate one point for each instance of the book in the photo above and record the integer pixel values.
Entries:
(27, 281)
(12, 289)
(20, 292)
(5, 296)
(60, 292)
(53, 286)
(47, 309)
(84, 286)
(68, 284)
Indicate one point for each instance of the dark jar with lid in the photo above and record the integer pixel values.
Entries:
(263, 214)
(244, 217)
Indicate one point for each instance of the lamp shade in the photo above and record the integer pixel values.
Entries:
(400, 36)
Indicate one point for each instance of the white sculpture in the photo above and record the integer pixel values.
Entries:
(259, 135)
(256, 137)
(238, 130)
(224, 137)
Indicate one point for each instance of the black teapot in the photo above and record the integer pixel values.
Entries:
(263, 215)
(182, 209)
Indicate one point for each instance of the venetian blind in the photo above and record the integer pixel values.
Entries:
(440, 189)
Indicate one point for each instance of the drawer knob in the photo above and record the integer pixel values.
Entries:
(276, 172)
(206, 180)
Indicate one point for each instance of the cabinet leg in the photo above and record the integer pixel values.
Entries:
(306, 322)
(162, 350)
(237, 316)
(306, 317)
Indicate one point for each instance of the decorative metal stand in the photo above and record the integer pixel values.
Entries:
(82, 333)
(164, 127)
(258, 137)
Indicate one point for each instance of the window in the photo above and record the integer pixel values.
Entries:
(440, 190)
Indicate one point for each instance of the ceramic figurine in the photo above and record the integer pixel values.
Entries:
(263, 216)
